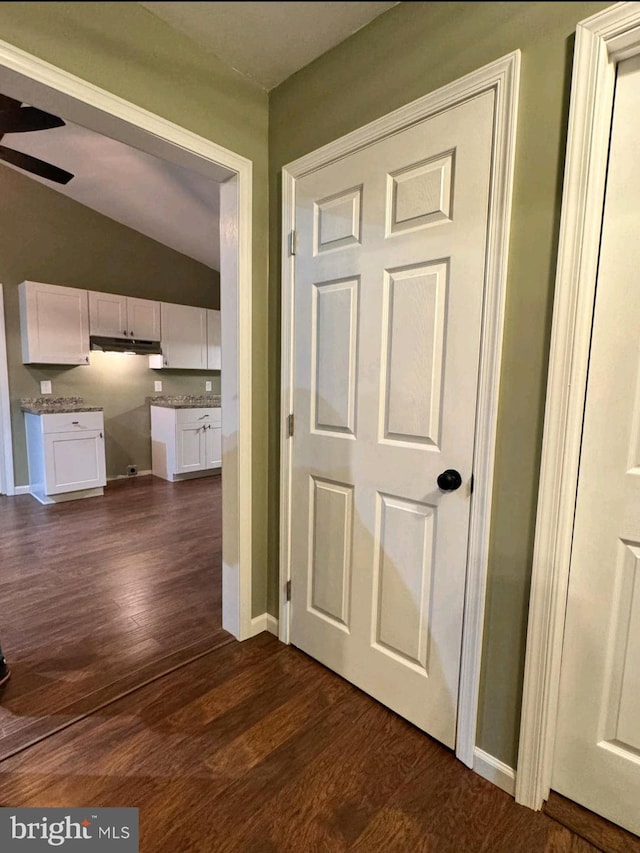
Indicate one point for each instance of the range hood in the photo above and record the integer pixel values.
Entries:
(129, 345)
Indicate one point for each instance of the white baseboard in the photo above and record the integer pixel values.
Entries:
(494, 770)
(264, 622)
(21, 490)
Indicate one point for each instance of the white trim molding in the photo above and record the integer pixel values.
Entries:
(601, 42)
(7, 484)
(494, 770)
(35, 81)
(502, 78)
(264, 622)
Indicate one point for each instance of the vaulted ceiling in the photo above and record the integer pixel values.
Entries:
(266, 42)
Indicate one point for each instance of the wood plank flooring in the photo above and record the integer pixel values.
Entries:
(103, 594)
(255, 747)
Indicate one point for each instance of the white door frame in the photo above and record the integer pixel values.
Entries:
(56, 90)
(6, 446)
(501, 77)
(601, 41)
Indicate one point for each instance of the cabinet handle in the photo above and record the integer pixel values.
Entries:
(100, 435)
(75, 422)
(131, 333)
(86, 358)
(124, 332)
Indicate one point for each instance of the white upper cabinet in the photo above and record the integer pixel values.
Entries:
(54, 323)
(213, 339)
(143, 319)
(184, 336)
(108, 315)
(115, 316)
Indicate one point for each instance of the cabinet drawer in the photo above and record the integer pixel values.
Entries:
(194, 416)
(72, 422)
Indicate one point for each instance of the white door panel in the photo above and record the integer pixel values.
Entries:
(597, 759)
(389, 280)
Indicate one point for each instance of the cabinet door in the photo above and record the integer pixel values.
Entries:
(74, 461)
(184, 336)
(213, 447)
(107, 314)
(213, 340)
(54, 324)
(190, 448)
(143, 318)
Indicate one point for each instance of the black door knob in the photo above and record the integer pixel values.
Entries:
(449, 480)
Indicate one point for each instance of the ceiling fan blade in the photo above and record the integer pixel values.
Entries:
(32, 164)
(24, 119)
(7, 103)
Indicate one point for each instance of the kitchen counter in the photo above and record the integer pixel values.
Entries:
(186, 401)
(56, 405)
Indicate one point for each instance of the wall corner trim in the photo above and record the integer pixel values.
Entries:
(494, 770)
(264, 622)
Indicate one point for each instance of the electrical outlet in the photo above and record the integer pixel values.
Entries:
(207, 386)
(45, 386)
(157, 385)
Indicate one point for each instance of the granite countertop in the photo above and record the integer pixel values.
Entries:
(56, 405)
(186, 401)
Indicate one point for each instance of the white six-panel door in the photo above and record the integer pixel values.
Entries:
(389, 279)
(597, 758)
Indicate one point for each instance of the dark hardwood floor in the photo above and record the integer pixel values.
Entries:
(100, 595)
(255, 747)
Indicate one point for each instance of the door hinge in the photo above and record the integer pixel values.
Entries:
(288, 591)
(290, 425)
(293, 242)
(471, 485)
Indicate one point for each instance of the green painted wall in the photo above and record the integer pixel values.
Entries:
(45, 236)
(409, 51)
(125, 49)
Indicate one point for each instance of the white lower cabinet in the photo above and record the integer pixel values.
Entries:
(66, 455)
(185, 442)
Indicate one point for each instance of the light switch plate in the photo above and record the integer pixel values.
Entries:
(157, 385)
(45, 386)
(207, 386)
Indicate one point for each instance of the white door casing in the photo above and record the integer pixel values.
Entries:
(601, 42)
(6, 445)
(335, 301)
(35, 81)
(597, 754)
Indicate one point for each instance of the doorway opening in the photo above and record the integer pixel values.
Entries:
(32, 81)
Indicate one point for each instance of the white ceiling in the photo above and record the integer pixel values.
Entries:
(168, 203)
(268, 42)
